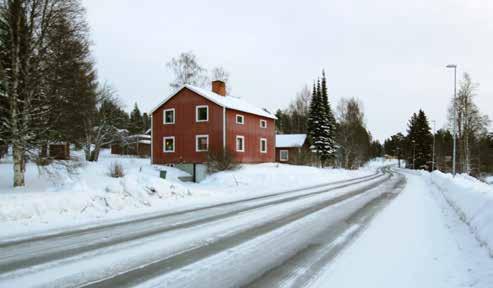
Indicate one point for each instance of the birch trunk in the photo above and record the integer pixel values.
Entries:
(18, 158)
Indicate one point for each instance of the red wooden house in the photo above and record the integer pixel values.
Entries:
(193, 121)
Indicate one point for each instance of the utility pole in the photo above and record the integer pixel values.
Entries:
(433, 157)
(455, 117)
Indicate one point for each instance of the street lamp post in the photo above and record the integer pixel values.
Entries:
(454, 66)
(433, 157)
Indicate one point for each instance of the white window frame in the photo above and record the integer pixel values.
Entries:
(266, 149)
(242, 119)
(164, 116)
(280, 155)
(263, 123)
(197, 142)
(242, 141)
(197, 113)
(164, 144)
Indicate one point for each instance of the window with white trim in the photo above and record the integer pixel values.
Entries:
(202, 113)
(263, 145)
(169, 144)
(284, 155)
(240, 143)
(240, 119)
(201, 143)
(263, 123)
(169, 116)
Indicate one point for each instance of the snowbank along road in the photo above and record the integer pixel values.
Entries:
(278, 240)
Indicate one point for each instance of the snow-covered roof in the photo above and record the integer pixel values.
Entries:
(230, 102)
(290, 140)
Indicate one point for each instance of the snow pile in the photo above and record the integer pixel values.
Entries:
(489, 180)
(473, 200)
(83, 188)
(381, 162)
(270, 177)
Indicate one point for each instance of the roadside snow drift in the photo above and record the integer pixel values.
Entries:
(473, 200)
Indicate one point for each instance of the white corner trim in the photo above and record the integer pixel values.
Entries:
(224, 129)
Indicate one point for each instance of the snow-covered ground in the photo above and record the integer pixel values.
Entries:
(380, 162)
(489, 180)
(417, 241)
(473, 201)
(79, 192)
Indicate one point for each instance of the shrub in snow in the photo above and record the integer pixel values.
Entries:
(220, 160)
(116, 170)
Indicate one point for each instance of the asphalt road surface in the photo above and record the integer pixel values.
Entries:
(279, 240)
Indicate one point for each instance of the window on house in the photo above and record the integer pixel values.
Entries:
(263, 145)
(169, 116)
(202, 113)
(201, 143)
(240, 119)
(169, 144)
(263, 123)
(284, 155)
(240, 143)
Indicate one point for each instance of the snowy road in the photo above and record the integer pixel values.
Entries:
(240, 241)
(379, 230)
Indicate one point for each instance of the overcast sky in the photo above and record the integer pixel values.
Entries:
(390, 54)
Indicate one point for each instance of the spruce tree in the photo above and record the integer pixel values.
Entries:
(330, 133)
(420, 141)
(147, 121)
(136, 125)
(314, 120)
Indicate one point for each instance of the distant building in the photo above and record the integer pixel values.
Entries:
(137, 145)
(290, 147)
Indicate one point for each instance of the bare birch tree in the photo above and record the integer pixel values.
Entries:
(470, 122)
(187, 70)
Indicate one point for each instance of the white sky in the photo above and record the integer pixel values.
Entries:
(390, 54)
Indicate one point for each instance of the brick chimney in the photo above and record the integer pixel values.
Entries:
(219, 87)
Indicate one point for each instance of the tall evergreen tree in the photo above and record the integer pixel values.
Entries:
(330, 133)
(318, 126)
(147, 121)
(420, 142)
(136, 124)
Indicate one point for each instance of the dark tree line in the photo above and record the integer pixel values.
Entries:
(417, 148)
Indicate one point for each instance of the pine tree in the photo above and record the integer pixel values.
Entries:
(136, 125)
(420, 141)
